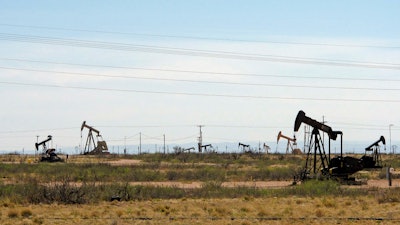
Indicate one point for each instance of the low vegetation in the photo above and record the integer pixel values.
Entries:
(159, 167)
(69, 192)
(81, 192)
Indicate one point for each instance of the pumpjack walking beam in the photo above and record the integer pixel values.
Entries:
(43, 143)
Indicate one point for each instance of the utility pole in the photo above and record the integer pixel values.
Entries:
(200, 138)
(140, 143)
(390, 137)
(125, 145)
(164, 144)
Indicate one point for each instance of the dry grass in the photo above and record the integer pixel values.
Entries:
(288, 210)
(248, 209)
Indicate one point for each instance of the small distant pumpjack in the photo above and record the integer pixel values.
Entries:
(48, 154)
(245, 148)
(266, 148)
(92, 146)
(179, 150)
(291, 146)
(372, 157)
(207, 148)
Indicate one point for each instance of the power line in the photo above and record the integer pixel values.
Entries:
(147, 137)
(192, 52)
(204, 81)
(349, 125)
(124, 138)
(358, 124)
(206, 72)
(245, 126)
(159, 139)
(199, 94)
(182, 138)
(198, 37)
(146, 126)
(38, 130)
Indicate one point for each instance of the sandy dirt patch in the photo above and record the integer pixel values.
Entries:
(383, 183)
(125, 162)
(231, 184)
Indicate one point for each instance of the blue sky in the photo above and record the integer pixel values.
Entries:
(214, 18)
(217, 44)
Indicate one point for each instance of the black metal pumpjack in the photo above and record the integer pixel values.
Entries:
(318, 164)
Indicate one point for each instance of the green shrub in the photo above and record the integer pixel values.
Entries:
(272, 173)
(316, 188)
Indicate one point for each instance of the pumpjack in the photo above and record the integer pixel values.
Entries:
(291, 144)
(245, 148)
(266, 148)
(92, 146)
(48, 154)
(207, 148)
(318, 163)
(180, 150)
(372, 156)
(188, 149)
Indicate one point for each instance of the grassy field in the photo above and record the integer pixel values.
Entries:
(79, 192)
(246, 210)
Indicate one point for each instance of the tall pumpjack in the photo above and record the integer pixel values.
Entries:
(48, 154)
(93, 147)
(372, 157)
(318, 163)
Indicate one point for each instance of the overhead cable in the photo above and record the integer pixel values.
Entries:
(203, 81)
(378, 79)
(193, 52)
(199, 94)
(199, 37)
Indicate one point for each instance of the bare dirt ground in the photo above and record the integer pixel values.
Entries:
(124, 162)
(260, 184)
(382, 183)
(231, 184)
